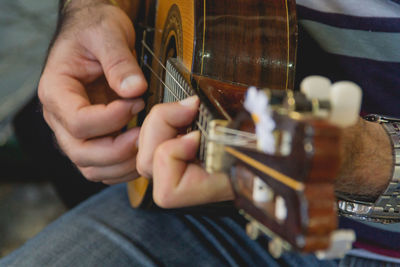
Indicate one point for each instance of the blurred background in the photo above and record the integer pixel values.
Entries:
(28, 199)
(37, 182)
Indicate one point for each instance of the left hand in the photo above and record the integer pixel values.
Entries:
(169, 159)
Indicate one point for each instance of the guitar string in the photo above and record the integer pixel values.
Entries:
(222, 110)
(233, 133)
(237, 132)
(162, 65)
(204, 132)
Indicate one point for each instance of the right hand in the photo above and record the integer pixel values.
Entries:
(90, 89)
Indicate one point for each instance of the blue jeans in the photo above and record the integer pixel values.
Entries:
(106, 231)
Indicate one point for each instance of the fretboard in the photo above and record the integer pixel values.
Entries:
(176, 88)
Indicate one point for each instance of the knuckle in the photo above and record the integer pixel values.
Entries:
(43, 92)
(161, 154)
(156, 111)
(143, 168)
(90, 173)
(155, 115)
(76, 157)
(113, 66)
(152, 117)
(121, 153)
(75, 128)
(163, 199)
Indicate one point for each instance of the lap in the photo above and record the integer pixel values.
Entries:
(105, 231)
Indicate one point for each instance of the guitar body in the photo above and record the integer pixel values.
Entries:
(220, 48)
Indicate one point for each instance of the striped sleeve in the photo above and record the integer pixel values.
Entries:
(356, 40)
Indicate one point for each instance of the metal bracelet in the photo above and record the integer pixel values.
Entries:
(386, 209)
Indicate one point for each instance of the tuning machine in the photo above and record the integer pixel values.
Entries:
(342, 99)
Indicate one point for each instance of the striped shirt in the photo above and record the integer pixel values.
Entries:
(357, 40)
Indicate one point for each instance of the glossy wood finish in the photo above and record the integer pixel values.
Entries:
(314, 162)
(233, 42)
(223, 96)
(246, 41)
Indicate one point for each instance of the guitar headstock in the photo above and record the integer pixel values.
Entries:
(288, 194)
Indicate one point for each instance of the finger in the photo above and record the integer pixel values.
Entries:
(162, 124)
(66, 99)
(112, 172)
(178, 183)
(107, 150)
(113, 48)
(103, 151)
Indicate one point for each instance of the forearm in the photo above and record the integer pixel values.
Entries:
(367, 161)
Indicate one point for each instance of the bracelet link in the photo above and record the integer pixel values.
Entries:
(386, 209)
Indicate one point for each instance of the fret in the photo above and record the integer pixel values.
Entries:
(177, 88)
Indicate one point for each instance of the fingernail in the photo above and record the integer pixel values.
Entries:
(131, 82)
(190, 101)
(137, 107)
(192, 135)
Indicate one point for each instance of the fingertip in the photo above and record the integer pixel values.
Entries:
(137, 106)
(191, 101)
(194, 135)
(133, 85)
(130, 137)
(192, 140)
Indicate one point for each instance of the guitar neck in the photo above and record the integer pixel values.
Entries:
(176, 88)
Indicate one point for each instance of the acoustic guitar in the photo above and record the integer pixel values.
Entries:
(216, 50)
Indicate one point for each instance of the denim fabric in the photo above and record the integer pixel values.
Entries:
(105, 231)
(364, 262)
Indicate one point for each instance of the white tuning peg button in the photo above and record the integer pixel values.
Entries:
(345, 101)
(316, 87)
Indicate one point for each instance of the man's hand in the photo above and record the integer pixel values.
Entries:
(93, 53)
(169, 159)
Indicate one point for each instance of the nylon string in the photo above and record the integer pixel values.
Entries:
(230, 136)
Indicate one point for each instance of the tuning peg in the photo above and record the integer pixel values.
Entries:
(345, 101)
(316, 87)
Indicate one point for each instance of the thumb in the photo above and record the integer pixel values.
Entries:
(119, 63)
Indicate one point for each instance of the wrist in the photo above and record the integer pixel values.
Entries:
(68, 7)
(385, 207)
(367, 161)
(77, 16)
